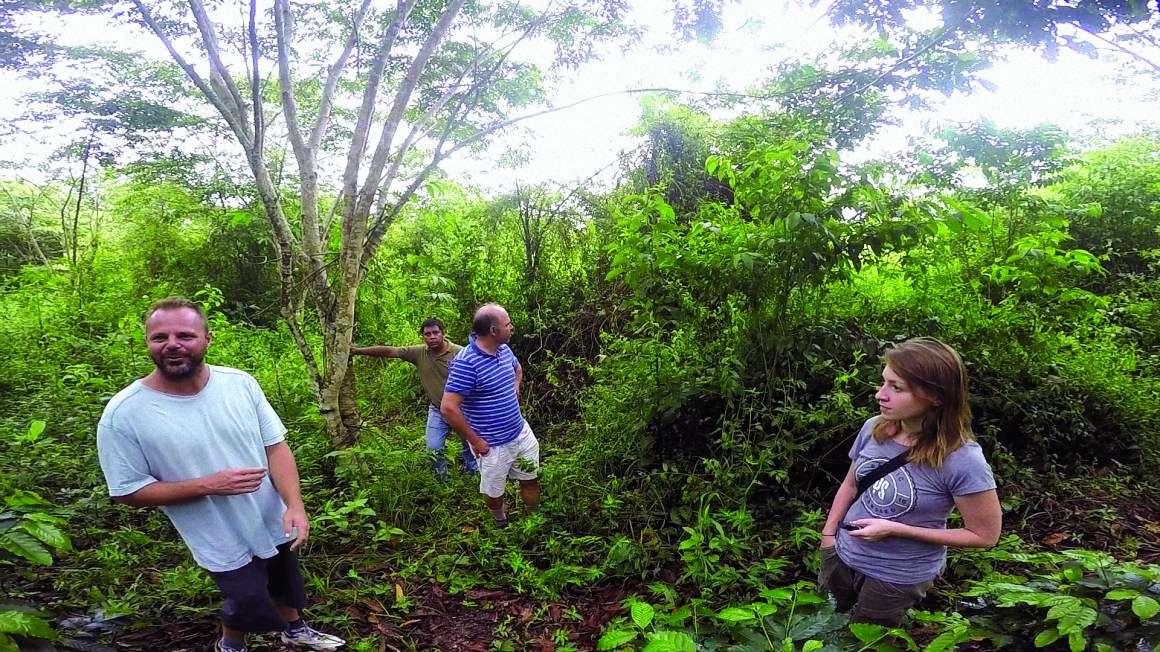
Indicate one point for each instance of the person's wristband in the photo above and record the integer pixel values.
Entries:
(829, 535)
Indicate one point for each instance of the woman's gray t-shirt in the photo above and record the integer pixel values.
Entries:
(915, 494)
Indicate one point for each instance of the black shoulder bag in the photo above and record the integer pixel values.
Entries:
(868, 480)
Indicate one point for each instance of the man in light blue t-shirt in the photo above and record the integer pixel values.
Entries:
(481, 401)
(202, 443)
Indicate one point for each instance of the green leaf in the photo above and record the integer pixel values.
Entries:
(1061, 610)
(948, 640)
(669, 641)
(777, 594)
(7, 644)
(35, 429)
(642, 614)
(23, 545)
(736, 614)
(812, 645)
(14, 622)
(868, 633)
(1077, 621)
(1047, 637)
(1145, 607)
(763, 609)
(47, 534)
(615, 638)
(1122, 594)
(1077, 642)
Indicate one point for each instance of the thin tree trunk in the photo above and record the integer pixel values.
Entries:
(348, 409)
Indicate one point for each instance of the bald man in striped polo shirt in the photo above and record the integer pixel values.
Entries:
(481, 403)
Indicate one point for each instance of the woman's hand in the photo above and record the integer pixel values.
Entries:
(873, 529)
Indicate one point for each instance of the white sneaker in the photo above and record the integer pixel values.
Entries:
(312, 639)
(219, 647)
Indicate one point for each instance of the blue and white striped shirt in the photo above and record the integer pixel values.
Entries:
(487, 384)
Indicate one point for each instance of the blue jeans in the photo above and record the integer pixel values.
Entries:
(437, 431)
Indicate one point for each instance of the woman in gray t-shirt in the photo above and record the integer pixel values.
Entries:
(883, 547)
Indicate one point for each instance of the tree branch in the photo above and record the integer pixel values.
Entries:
(418, 129)
(255, 88)
(402, 98)
(210, 94)
(326, 103)
(1119, 48)
(218, 69)
(366, 112)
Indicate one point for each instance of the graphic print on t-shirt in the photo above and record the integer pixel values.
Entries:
(892, 496)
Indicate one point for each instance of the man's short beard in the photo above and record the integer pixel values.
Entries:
(193, 368)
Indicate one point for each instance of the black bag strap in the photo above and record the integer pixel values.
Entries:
(868, 480)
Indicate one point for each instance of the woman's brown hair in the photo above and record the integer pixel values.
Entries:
(935, 372)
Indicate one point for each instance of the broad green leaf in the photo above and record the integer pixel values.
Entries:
(1061, 610)
(812, 645)
(1145, 607)
(642, 614)
(867, 632)
(763, 609)
(615, 638)
(1076, 641)
(36, 428)
(7, 644)
(1077, 621)
(1047, 637)
(1122, 594)
(669, 641)
(948, 640)
(23, 545)
(736, 614)
(47, 533)
(14, 622)
(809, 598)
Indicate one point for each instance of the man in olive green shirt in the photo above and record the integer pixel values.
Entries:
(431, 360)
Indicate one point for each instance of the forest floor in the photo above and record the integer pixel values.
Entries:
(1097, 512)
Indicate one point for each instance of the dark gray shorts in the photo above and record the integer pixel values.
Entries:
(253, 591)
(868, 600)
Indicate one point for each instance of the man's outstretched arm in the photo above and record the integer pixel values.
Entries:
(376, 351)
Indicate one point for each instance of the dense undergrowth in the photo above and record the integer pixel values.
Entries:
(696, 370)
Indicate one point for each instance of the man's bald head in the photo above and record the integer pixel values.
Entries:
(487, 317)
(492, 326)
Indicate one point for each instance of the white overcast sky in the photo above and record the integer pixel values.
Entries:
(1071, 92)
(576, 143)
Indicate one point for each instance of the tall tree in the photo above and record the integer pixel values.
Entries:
(393, 92)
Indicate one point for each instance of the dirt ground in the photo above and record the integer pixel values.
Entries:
(1098, 512)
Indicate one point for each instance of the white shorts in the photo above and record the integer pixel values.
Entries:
(517, 460)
